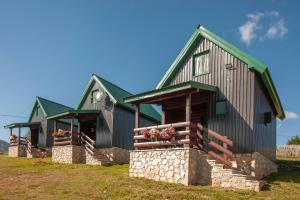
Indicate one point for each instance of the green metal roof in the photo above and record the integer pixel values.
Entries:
(72, 112)
(117, 95)
(22, 124)
(252, 63)
(48, 107)
(170, 89)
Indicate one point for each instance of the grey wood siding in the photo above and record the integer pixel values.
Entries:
(118, 122)
(43, 134)
(123, 127)
(264, 136)
(237, 87)
(45, 138)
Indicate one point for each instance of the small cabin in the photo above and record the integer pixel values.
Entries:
(105, 122)
(220, 101)
(40, 127)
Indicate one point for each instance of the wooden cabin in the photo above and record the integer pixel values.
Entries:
(228, 93)
(40, 127)
(104, 120)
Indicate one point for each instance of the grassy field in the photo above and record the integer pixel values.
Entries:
(22, 178)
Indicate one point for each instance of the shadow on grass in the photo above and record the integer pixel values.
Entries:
(288, 172)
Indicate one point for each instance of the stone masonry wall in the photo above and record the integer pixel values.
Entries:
(288, 150)
(68, 154)
(254, 164)
(168, 165)
(17, 151)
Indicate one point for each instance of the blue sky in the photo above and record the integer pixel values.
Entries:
(51, 48)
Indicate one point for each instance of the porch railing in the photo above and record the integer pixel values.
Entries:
(188, 134)
(87, 143)
(226, 154)
(71, 139)
(18, 141)
(181, 136)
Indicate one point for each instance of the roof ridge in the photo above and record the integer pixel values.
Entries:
(38, 97)
(99, 77)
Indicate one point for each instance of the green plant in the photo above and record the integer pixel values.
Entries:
(295, 140)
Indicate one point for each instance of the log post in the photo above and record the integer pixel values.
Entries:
(10, 131)
(163, 117)
(79, 133)
(137, 120)
(72, 128)
(19, 136)
(187, 115)
(55, 125)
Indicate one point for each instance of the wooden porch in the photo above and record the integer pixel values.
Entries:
(184, 108)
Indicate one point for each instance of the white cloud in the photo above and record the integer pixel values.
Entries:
(278, 29)
(247, 30)
(261, 25)
(291, 115)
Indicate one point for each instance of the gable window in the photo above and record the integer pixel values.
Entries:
(201, 63)
(93, 96)
(37, 111)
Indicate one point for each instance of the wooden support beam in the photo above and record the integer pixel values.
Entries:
(137, 115)
(137, 121)
(163, 117)
(19, 137)
(72, 124)
(10, 131)
(55, 125)
(188, 115)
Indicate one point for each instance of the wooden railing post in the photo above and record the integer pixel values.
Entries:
(225, 146)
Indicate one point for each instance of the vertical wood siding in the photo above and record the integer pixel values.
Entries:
(237, 87)
(118, 124)
(265, 134)
(123, 127)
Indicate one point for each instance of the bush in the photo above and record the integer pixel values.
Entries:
(295, 140)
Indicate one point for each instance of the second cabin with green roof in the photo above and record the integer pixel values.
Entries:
(105, 124)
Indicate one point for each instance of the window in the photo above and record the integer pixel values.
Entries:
(267, 118)
(37, 111)
(201, 63)
(221, 107)
(93, 97)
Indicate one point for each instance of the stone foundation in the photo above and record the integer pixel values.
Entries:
(176, 165)
(254, 164)
(189, 166)
(106, 156)
(17, 151)
(35, 153)
(68, 154)
(288, 151)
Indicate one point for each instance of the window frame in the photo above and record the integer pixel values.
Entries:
(92, 96)
(194, 63)
(37, 112)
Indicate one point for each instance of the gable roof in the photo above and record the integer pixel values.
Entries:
(253, 64)
(48, 107)
(117, 95)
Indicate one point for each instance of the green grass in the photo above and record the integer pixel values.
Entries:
(22, 178)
